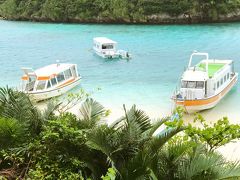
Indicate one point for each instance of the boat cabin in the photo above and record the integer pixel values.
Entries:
(107, 48)
(48, 77)
(206, 78)
(104, 44)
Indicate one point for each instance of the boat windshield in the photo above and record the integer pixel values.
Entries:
(60, 77)
(30, 83)
(30, 86)
(53, 81)
(107, 46)
(68, 74)
(193, 84)
(41, 85)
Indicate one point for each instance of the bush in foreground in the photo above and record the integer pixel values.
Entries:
(70, 147)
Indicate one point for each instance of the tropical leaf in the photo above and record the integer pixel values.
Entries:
(17, 105)
(169, 157)
(157, 124)
(12, 133)
(137, 167)
(158, 141)
(91, 112)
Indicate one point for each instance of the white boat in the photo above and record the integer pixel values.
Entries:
(203, 85)
(49, 81)
(107, 48)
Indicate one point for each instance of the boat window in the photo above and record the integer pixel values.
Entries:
(184, 84)
(30, 86)
(227, 75)
(200, 85)
(74, 73)
(60, 77)
(53, 81)
(107, 46)
(191, 84)
(68, 74)
(225, 78)
(218, 84)
(49, 84)
(31, 79)
(221, 81)
(41, 85)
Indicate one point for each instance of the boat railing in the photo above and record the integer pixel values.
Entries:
(195, 53)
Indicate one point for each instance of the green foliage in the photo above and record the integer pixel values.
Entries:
(12, 133)
(114, 10)
(129, 144)
(171, 7)
(181, 159)
(60, 150)
(219, 134)
(17, 105)
(111, 175)
(9, 9)
(65, 146)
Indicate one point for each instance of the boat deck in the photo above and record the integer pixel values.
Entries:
(212, 67)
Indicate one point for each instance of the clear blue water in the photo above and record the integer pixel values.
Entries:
(160, 54)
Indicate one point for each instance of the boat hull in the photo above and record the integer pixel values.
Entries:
(107, 56)
(192, 106)
(40, 96)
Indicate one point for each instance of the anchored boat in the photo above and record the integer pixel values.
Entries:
(205, 84)
(50, 81)
(107, 48)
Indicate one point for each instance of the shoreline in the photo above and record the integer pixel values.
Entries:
(96, 22)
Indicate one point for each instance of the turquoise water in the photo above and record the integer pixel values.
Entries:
(160, 54)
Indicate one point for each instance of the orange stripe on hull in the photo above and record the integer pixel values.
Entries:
(207, 101)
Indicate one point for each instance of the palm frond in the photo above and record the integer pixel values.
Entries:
(49, 110)
(204, 164)
(17, 105)
(157, 124)
(138, 167)
(11, 133)
(91, 112)
(158, 141)
(101, 139)
(230, 170)
(166, 161)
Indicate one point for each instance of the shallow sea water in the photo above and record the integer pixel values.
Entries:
(160, 54)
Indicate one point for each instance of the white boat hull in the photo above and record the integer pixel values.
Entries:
(43, 95)
(107, 56)
(191, 106)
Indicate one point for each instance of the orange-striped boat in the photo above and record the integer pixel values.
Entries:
(49, 81)
(203, 85)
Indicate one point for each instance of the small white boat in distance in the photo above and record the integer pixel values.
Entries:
(107, 48)
(205, 84)
(49, 81)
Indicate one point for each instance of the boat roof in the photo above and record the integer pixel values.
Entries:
(198, 72)
(103, 40)
(214, 66)
(47, 72)
(52, 69)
